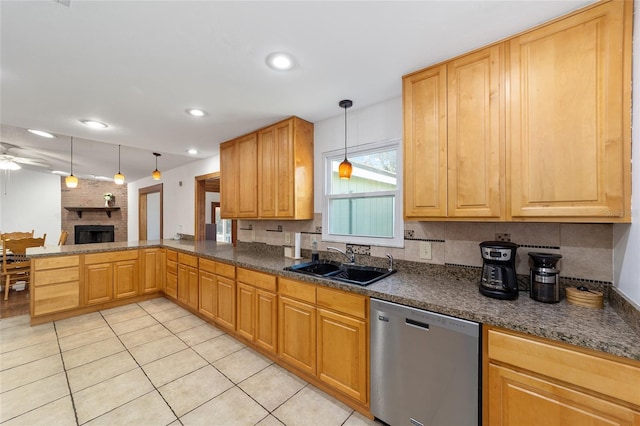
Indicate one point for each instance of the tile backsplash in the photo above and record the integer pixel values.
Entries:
(586, 249)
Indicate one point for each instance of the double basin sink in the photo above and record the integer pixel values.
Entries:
(344, 272)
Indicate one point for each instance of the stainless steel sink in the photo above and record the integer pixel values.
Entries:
(353, 274)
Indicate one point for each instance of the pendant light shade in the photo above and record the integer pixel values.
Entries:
(118, 178)
(345, 168)
(71, 181)
(156, 175)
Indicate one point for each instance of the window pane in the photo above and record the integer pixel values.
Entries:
(372, 172)
(362, 216)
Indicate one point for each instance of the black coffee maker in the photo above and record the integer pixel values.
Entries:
(498, 278)
(545, 277)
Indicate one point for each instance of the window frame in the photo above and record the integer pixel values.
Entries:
(398, 221)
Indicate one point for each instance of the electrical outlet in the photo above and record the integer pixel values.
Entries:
(503, 237)
(253, 235)
(287, 238)
(312, 238)
(425, 250)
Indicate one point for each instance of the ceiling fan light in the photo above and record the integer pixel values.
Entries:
(344, 170)
(9, 165)
(71, 181)
(118, 179)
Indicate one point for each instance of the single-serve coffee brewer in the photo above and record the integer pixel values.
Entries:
(498, 278)
(545, 277)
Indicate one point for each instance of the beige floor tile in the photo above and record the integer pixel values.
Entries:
(120, 309)
(105, 396)
(357, 419)
(28, 354)
(194, 389)
(157, 305)
(269, 421)
(134, 324)
(199, 334)
(100, 370)
(272, 386)
(171, 367)
(183, 323)
(14, 321)
(86, 337)
(170, 314)
(145, 335)
(149, 409)
(233, 407)
(242, 364)
(61, 410)
(69, 326)
(312, 407)
(91, 352)
(157, 349)
(124, 315)
(217, 348)
(31, 372)
(23, 336)
(34, 395)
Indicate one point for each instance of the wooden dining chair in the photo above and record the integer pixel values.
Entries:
(16, 265)
(16, 235)
(63, 238)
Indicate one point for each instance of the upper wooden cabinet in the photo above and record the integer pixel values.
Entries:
(569, 112)
(533, 128)
(268, 174)
(454, 138)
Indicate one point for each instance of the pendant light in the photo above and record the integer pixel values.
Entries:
(71, 181)
(344, 170)
(156, 173)
(119, 177)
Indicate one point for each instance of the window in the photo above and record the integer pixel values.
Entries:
(365, 209)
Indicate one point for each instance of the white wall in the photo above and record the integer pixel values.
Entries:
(31, 200)
(626, 254)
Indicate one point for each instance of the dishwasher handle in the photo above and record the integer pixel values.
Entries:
(417, 324)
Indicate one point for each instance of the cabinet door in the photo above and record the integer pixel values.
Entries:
(475, 136)
(524, 399)
(342, 353)
(266, 312)
(425, 143)
(152, 271)
(125, 282)
(226, 302)
(228, 180)
(207, 294)
(247, 191)
(246, 295)
(192, 283)
(98, 283)
(183, 283)
(297, 334)
(275, 171)
(171, 288)
(568, 153)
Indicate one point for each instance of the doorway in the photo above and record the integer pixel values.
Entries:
(150, 220)
(209, 224)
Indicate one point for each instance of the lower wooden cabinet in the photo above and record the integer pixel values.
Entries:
(257, 308)
(171, 283)
(188, 280)
(225, 309)
(297, 334)
(55, 285)
(110, 276)
(153, 269)
(207, 288)
(534, 381)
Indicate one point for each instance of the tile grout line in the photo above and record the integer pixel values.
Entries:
(66, 375)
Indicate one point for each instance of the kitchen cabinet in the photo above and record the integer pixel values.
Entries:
(343, 355)
(454, 138)
(569, 113)
(239, 178)
(285, 170)
(225, 290)
(153, 268)
(110, 276)
(207, 288)
(257, 308)
(55, 285)
(188, 280)
(533, 381)
(171, 283)
(268, 173)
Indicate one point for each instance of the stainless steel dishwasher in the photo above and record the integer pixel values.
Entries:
(424, 367)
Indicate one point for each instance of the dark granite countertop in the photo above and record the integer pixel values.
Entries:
(446, 290)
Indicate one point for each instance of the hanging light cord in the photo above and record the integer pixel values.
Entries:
(345, 132)
(71, 156)
(118, 159)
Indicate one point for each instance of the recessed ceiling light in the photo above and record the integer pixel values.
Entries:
(192, 151)
(41, 133)
(280, 61)
(94, 124)
(196, 112)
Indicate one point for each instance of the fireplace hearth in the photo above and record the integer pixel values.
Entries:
(88, 234)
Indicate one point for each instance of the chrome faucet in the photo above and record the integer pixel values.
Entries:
(390, 262)
(348, 254)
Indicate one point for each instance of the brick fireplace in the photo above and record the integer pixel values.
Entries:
(90, 193)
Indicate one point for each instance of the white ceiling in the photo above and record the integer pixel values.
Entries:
(137, 65)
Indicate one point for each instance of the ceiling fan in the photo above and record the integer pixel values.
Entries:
(9, 161)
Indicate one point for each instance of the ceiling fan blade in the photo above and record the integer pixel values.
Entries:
(31, 162)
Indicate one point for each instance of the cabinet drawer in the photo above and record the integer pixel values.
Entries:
(187, 259)
(348, 303)
(56, 262)
(207, 265)
(226, 270)
(172, 255)
(618, 379)
(258, 279)
(55, 276)
(297, 290)
(172, 266)
(109, 257)
(56, 298)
